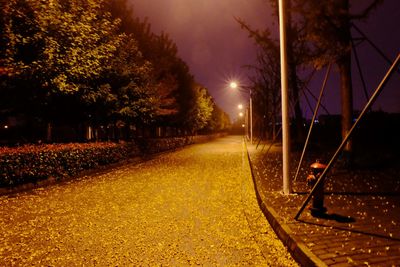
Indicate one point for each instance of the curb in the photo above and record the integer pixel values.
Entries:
(297, 248)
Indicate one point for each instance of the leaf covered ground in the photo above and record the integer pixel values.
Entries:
(195, 206)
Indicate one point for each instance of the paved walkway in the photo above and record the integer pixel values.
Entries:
(195, 206)
(362, 226)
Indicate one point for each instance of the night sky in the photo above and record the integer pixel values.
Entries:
(216, 49)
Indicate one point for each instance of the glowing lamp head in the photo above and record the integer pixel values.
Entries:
(233, 85)
(241, 114)
(240, 106)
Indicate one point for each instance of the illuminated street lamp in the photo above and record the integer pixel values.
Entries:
(241, 114)
(235, 85)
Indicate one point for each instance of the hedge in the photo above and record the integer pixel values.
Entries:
(31, 163)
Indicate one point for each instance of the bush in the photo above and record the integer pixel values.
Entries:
(31, 163)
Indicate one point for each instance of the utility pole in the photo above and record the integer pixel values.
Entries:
(285, 99)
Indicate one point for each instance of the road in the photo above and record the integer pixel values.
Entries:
(194, 206)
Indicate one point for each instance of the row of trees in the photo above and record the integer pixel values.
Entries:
(318, 35)
(93, 62)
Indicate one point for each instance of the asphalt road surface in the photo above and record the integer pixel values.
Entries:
(194, 206)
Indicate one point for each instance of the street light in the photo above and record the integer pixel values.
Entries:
(241, 114)
(235, 85)
(285, 99)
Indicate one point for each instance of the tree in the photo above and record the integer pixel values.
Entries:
(319, 34)
(267, 88)
(180, 102)
(93, 63)
(266, 82)
(268, 56)
(219, 120)
(57, 50)
(159, 50)
(200, 112)
(135, 99)
(327, 28)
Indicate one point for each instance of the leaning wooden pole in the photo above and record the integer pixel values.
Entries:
(312, 121)
(344, 141)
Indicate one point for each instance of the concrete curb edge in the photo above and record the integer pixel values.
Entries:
(297, 248)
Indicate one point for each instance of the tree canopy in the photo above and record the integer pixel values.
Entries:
(94, 62)
(318, 35)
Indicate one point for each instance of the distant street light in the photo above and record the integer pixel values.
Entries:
(235, 85)
(241, 114)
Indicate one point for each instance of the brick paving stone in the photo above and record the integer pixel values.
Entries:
(341, 259)
(360, 257)
(319, 251)
(364, 209)
(319, 246)
(329, 261)
(342, 264)
(389, 260)
(327, 256)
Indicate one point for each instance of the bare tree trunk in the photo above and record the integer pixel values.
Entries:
(293, 77)
(346, 98)
(49, 130)
(344, 65)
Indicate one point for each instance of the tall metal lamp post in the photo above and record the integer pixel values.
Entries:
(285, 98)
(234, 85)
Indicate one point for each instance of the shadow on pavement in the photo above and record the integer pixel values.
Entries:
(349, 230)
(335, 217)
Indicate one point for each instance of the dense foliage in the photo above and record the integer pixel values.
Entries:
(92, 63)
(31, 163)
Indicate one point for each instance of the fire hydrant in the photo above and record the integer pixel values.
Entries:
(317, 169)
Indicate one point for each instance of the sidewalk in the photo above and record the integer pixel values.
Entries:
(362, 225)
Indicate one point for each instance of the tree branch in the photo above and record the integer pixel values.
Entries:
(374, 4)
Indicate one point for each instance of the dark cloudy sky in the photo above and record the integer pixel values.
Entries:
(214, 46)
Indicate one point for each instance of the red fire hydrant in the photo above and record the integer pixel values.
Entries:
(317, 169)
